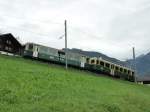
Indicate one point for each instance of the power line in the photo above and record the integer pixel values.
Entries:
(23, 29)
(84, 32)
(45, 35)
(53, 22)
(33, 20)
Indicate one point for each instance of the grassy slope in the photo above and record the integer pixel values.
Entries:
(29, 86)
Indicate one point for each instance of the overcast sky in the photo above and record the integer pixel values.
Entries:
(111, 27)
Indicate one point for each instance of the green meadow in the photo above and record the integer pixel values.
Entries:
(33, 86)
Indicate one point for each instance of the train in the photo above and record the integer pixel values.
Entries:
(94, 64)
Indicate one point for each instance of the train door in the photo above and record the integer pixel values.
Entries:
(83, 60)
(112, 72)
(35, 52)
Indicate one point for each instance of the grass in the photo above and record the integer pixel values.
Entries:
(31, 86)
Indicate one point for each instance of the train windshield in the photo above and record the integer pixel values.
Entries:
(31, 47)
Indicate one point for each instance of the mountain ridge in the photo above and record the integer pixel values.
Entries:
(97, 54)
(142, 61)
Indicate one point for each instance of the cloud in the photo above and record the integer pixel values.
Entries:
(112, 27)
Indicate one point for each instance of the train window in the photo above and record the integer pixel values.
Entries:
(107, 65)
(125, 70)
(37, 49)
(121, 69)
(87, 60)
(102, 63)
(128, 71)
(117, 68)
(132, 73)
(92, 61)
(30, 47)
(61, 52)
(46, 50)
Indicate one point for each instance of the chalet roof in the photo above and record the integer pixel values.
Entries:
(10, 36)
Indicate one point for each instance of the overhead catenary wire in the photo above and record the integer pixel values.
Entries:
(84, 32)
(52, 22)
(6, 29)
(30, 19)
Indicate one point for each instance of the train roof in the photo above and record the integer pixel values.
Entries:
(40, 45)
(112, 63)
(61, 50)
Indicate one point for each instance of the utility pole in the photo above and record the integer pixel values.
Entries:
(134, 64)
(66, 51)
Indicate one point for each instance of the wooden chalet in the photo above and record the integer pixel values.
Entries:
(9, 44)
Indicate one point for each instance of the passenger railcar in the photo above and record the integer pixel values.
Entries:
(112, 69)
(78, 60)
(51, 54)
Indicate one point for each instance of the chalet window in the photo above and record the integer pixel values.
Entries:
(8, 42)
(9, 49)
(6, 48)
(1, 43)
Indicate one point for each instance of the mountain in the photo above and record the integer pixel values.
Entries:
(142, 61)
(142, 64)
(97, 54)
